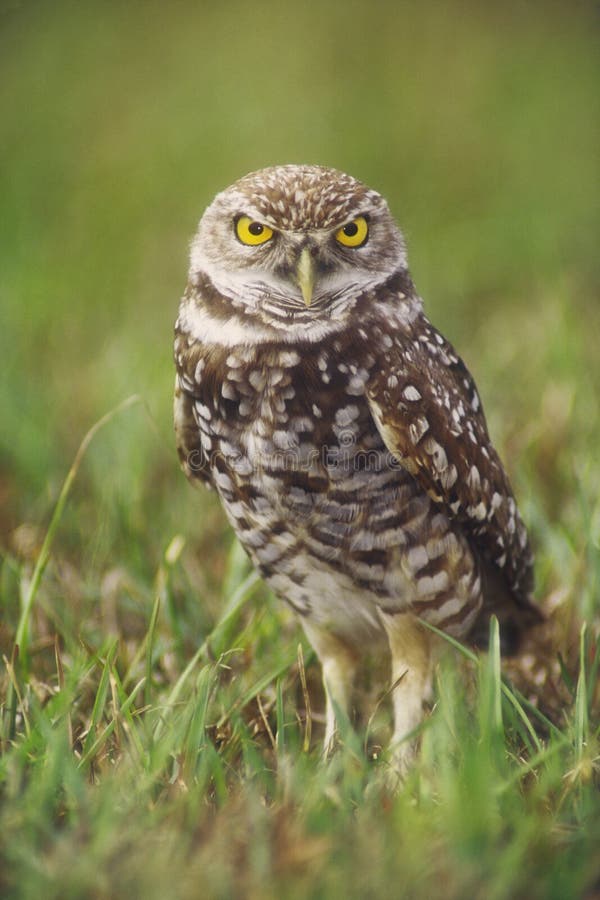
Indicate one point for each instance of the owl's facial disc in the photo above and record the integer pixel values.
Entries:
(296, 242)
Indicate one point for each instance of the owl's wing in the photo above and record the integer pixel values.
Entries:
(187, 431)
(428, 412)
(187, 437)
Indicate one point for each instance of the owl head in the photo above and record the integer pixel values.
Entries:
(293, 241)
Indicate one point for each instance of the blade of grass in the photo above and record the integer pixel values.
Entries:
(265, 720)
(307, 706)
(464, 651)
(511, 698)
(239, 598)
(175, 692)
(9, 717)
(194, 741)
(581, 700)
(149, 642)
(100, 699)
(219, 637)
(60, 672)
(123, 711)
(530, 765)
(14, 695)
(280, 735)
(106, 733)
(259, 685)
(516, 699)
(593, 672)
(161, 599)
(495, 675)
(31, 588)
(21, 638)
(491, 726)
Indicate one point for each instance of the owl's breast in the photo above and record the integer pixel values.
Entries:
(334, 523)
(297, 426)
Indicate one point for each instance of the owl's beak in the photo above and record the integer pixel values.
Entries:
(305, 275)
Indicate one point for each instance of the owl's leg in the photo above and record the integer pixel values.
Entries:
(412, 671)
(339, 664)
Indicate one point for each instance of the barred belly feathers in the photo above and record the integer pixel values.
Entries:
(343, 434)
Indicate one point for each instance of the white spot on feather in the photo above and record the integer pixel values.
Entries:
(203, 411)
(417, 429)
(449, 477)
(411, 393)
(473, 479)
(228, 391)
(199, 367)
(289, 358)
(257, 379)
(437, 453)
(417, 558)
(346, 415)
(356, 385)
(448, 609)
(432, 584)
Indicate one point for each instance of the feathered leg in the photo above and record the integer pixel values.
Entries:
(412, 669)
(339, 665)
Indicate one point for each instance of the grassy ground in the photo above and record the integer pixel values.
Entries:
(161, 721)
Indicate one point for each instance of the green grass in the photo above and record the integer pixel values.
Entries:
(160, 722)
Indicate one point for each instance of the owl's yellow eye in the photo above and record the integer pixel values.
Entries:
(354, 234)
(251, 232)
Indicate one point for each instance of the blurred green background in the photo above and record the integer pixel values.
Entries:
(119, 123)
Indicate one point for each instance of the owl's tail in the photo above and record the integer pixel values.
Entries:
(540, 648)
(516, 615)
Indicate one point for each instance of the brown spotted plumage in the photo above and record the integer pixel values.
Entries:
(345, 437)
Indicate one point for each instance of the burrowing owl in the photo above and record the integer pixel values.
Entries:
(342, 432)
